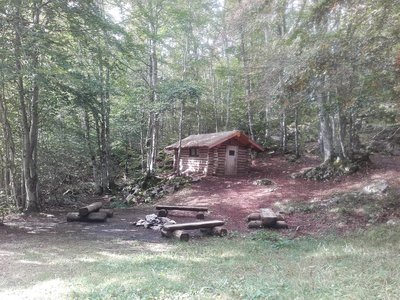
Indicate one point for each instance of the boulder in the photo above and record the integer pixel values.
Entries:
(376, 187)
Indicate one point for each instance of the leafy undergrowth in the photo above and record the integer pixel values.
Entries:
(348, 211)
(363, 265)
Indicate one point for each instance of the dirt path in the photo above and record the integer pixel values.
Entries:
(232, 199)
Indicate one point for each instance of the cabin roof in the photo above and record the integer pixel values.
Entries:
(211, 140)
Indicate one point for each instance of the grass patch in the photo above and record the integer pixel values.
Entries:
(261, 266)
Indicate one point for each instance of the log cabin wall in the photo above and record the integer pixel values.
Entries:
(212, 161)
(243, 158)
(194, 164)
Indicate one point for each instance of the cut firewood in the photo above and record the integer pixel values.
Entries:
(254, 224)
(281, 225)
(200, 216)
(179, 234)
(166, 233)
(84, 211)
(268, 217)
(74, 217)
(194, 225)
(219, 231)
(253, 217)
(162, 213)
(92, 217)
(108, 211)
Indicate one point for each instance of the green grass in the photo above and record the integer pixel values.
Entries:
(365, 265)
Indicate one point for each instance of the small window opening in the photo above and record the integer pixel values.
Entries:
(231, 152)
(193, 152)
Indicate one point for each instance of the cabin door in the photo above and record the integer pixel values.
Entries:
(231, 160)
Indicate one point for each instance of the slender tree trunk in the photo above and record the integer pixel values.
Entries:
(246, 72)
(92, 154)
(29, 112)
(283, 132)
(178, 157)
(296, 132)
(325, 128)
(342, 132)
(10, 174)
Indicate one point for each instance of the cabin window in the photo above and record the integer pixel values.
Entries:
(194, 152)
(231, 152)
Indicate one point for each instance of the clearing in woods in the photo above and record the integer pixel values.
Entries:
(44, 257)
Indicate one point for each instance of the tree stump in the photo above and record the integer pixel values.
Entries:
(268, 217)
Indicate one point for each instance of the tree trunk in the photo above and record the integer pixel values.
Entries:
(325, 128)
(283, 132)
(91, 152)
(29, 111)
(178, 158)
(296, 132)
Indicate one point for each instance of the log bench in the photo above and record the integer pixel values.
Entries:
(163, 210)
(179, 230)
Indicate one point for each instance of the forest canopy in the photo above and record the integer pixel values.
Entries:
(92, 90)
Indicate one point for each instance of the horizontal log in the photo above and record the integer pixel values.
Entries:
(281, 225)
(254, 224)
(200, 216)
(162, 213)
(92, 217)
(108, 211)
(179, 234)
(194, 225)
(83, 211)
(179, 207)
(253, 217)
(219, 231)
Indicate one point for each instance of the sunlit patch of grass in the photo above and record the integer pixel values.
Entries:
(263, 266)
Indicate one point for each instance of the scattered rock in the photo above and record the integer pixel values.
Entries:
(154, 222)
(377, 187)
(263, 181)
(391, 222)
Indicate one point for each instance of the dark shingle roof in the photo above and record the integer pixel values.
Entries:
(211, 140)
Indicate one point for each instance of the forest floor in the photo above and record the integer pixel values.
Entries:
(229, 199)
(232, 199)
(44, 257)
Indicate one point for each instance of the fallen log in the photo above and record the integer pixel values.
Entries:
(84, 211)
(254, 224)
(268, 217)
(281, 225)
(92, 217)
(179, 234)
(219, 231)
(180, 207)
(108, 211)
(194, 225)
(200, 216)
(253, 217)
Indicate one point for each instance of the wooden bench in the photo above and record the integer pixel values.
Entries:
(179, 230)
(163, 210)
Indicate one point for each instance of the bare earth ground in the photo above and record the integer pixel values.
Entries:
(230, 199)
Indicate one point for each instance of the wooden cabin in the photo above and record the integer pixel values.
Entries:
(222, 153)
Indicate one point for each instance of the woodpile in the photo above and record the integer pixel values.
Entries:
(179, 231)
(266, 218)
(90, 213)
